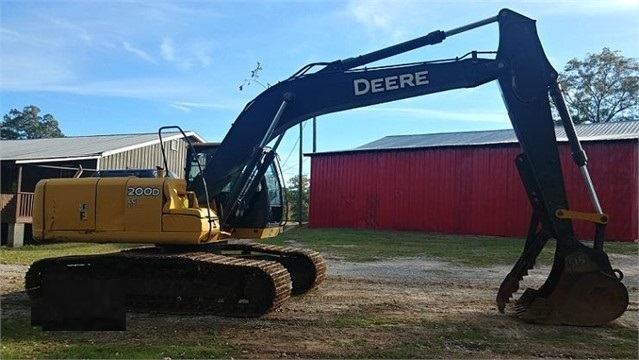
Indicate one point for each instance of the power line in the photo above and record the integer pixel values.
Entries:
(294, 146)
(294, 166)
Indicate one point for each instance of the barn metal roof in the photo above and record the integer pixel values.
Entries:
(79, 147)
(587, 132)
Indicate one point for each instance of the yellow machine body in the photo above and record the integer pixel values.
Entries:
(257, 233)
(121, 209)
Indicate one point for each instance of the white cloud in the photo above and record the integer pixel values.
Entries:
(371, 13)
(151, 89)
(385, 18)
(421, 114)
(192, 53)
(166, 47)
(184, 109)
(23, 63)
(20, 71)
(23, 39)
(395, 18)
(583, 7)
(203, 57)
(138, 52)
(70, 28)
(188, 106)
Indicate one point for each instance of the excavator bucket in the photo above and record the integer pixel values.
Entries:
(582, 289)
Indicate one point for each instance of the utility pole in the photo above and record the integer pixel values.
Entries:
(314, 134)
(299, 180)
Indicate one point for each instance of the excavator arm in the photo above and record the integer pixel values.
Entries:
(582, 288)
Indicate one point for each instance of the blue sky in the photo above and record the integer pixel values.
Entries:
(110, 67)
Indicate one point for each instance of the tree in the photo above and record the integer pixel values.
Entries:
(28, 124)
(292, 195)
(603, 87)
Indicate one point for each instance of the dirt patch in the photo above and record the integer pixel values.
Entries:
(12, 277)
(398, 308)
(385, 304)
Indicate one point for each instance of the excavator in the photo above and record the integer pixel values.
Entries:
(199, 254)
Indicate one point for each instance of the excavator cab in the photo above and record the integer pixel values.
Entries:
(261, 213)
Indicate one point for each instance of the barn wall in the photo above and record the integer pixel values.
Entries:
(463, 190)
(614, 168)
(148, 157)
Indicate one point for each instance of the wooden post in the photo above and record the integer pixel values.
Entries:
(15, 231)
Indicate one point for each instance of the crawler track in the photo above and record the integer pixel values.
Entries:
(192, 282)
(306, 267)
(240, 280)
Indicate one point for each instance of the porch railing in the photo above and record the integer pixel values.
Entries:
(24, 207)
(17, 208)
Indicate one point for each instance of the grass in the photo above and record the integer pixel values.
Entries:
(621, 248)
(353, 333)
(350, 319)
(29, 253)
(145, 338)
(366, 334)
(354, 245)
(475, 340)
(370, 245)
(470, 337)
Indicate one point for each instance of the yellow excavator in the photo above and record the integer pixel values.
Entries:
(233, 190)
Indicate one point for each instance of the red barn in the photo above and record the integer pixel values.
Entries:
(467, 183)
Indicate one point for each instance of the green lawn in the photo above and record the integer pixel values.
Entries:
(29, 253)
(369, 245)
(354, 245)
(158, 336)
(147, 337)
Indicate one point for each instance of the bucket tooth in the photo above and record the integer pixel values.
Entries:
(531, 308)
(508, 287)
(526, 261)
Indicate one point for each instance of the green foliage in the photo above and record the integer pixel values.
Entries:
(292, 196)
(603, 87)
(28, 124)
